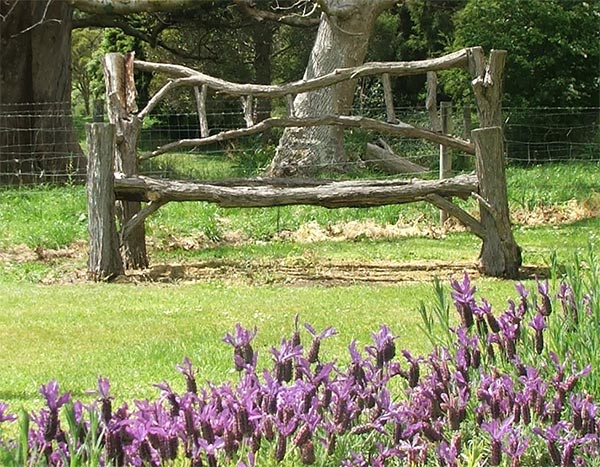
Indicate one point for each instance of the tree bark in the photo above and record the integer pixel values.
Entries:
(363, 193)
(104, 261)
(121, 97)
(500, 254)
(341, 42)
(384, 159)
(36, 136)
(125, 7)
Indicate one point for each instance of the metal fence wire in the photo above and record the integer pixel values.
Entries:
(38, 144)
(45, 142)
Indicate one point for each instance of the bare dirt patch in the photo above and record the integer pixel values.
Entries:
(322, 273)
(68, 263)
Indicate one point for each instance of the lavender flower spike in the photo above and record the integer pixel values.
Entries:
(243, 353)
(463, 299)
(4, 415)
(538, 323)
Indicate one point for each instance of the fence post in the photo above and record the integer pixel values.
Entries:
(121, 105)
(445, 154)
(500, 254)
(104, 261)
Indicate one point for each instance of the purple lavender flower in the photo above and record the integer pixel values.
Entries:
(54, 401)
(189, 373)
(544, 289)
(241, 339)
(464, 299)
(497, 431)
(538, 323)
(105, 398)
(524, 294)
(566, 296)
(4, 415)
(283, 359)
(414, 370)
(552, 434)
(384, 349)
(313, 353)
(515, 446)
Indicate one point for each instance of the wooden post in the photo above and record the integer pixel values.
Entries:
(431, 101)
(248, 107)
(500, 254)
(201, 94)
(445, 154)
(289, 102)
(120, 95)
(389, 98)
(104, 261)
(467, 122)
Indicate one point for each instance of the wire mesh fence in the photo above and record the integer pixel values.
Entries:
(39, 144)
(45, 142)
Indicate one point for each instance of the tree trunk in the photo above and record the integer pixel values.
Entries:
(37, 140)
(262, 36)
(342, 41)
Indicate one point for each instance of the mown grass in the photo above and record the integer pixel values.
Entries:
(136, 334)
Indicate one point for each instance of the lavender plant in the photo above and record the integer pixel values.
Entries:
(514, 388)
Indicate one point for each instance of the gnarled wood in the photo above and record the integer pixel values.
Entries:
(386, 160)
(389, 98)
(200, 93)
(500, 254)
(121, 93)
(431, 101)
(104, 260)
(487, 85)
(186, 76)
(399, 129)
(327, 194)
(464, 217)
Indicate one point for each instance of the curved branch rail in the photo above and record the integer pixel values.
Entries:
(399, 129)
(185, 76)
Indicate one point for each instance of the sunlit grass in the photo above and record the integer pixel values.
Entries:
(135, 335)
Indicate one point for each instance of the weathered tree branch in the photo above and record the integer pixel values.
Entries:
(106, 21)
(328, 194)
(188, 77)
(399, 129)
(303, 21)
(386, 160)
(464, 217)
(124, 7)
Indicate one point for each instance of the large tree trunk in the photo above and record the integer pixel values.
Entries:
(37, 142)
(342, 41)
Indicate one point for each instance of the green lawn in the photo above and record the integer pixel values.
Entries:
(136, 334)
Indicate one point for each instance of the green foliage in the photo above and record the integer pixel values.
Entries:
(553, 49)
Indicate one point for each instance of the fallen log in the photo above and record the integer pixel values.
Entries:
(387, 161)
(363, 193)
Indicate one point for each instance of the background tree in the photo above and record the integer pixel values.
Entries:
(84, 43)
(35, 84)
(554, 48)
(553, 61)
(342, 41)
